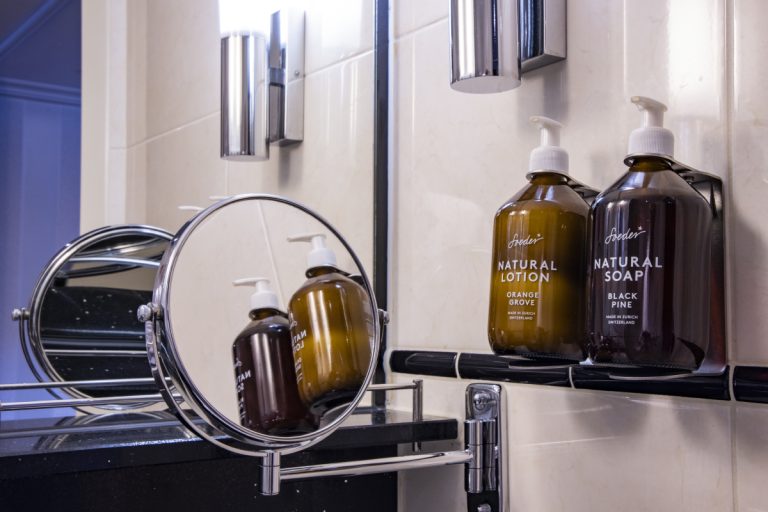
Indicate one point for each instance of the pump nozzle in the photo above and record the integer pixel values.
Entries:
(320, 255)
(651, 138)
(549, 156)
(264, 297)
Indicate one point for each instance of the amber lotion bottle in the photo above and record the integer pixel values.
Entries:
(539, 258)
(267, 394)
(332, 328)
(650, 258)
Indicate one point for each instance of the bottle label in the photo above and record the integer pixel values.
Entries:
(522, 278)
(297, 343)
(624, 278)
(241, 376)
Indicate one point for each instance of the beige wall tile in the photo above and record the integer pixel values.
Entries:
(751, 447)
(182, 59)
(593, 451)
(749, 186)
(183, 168)
(410, 16)
(337, 30)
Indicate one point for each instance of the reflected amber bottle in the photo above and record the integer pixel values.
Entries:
(267, 394)
(331, 331)
(650, 270)
(539, 276)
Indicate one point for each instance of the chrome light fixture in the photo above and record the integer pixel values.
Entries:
(262, 79)
(494, 41)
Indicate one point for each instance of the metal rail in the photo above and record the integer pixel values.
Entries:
(79, 402)
(416, 386)
(382, 465)
(78, 383)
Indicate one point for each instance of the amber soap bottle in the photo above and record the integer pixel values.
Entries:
(539, 259)
(267, 394)
(650, 258)
(331, 329)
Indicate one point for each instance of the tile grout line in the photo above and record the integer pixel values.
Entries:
(355, 56)
(730, 30)
(170, 131)
(422, 28)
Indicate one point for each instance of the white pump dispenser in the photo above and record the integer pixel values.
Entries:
(651, 138)
(320, 255)
(264, 297)
(549, 156)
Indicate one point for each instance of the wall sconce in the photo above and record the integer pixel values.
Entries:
(494, 41)
(262, 79)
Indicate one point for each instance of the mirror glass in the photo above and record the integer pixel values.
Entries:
(83, 323)
(268, 318)
(145, 109)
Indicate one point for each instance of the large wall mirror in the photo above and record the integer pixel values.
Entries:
(130, 114)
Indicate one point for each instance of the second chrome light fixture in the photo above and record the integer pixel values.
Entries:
(494, 41)
(262, 78)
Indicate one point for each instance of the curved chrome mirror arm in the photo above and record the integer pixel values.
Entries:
(22, 316)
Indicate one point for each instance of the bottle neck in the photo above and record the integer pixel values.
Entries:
(650, 164)
(320, 271)
(548, 178)
(262, 313)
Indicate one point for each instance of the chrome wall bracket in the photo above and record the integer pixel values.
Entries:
(484, 435)
(262, 88)
(483, 456)
(286, 78)
(494, 41)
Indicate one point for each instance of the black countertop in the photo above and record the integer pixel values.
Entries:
(55, 446)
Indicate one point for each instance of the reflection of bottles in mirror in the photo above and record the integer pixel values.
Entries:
(267, 395)
(331, 328)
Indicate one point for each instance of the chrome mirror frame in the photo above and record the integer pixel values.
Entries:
(30, 336)
(177, 386)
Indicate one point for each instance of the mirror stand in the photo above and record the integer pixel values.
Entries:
(483, 455)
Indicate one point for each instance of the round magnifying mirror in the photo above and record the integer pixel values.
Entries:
(263, 324)
(81, 321)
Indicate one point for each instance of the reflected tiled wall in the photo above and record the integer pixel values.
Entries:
(173, 120)
(164, 111)
(458, 157)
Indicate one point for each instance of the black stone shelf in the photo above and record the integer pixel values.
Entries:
(34, 448)
(130, 462)
(435, 364)
(493, 367)
(750, 384)
(631, 380)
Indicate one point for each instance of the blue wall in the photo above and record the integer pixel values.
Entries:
(39, 162)
(39, 213)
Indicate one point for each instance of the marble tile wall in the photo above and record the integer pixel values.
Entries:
(458, 157)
